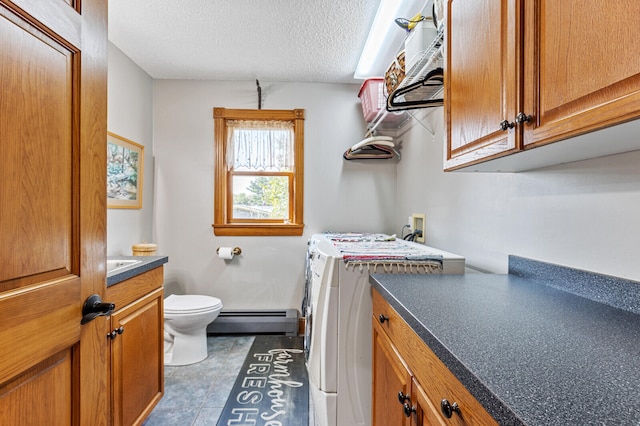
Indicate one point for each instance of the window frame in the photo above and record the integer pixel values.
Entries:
(223, 224)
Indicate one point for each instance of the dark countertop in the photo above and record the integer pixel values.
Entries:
(530, 354)
(147, 263)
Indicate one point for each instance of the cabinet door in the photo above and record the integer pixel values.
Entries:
(390, 377)
(482, 51)
(582, 67)
(137, 363)
(425, 413)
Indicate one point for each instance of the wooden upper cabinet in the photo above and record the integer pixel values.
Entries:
(582, 67)
(481, 80)
(569, 67)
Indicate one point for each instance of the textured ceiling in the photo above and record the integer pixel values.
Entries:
(271, 40)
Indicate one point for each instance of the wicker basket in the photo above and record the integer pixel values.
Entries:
(395, 73)
(144, 249)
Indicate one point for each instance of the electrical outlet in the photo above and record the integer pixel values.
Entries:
(410, 223)
(418, 223)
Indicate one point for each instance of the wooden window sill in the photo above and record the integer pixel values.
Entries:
(261, 230)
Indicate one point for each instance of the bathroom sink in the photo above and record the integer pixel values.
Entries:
(115, 265)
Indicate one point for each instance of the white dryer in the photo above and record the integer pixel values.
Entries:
(338, 334)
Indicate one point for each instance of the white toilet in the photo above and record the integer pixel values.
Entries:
(185, 327)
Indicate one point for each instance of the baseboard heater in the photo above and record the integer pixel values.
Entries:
(256, 322)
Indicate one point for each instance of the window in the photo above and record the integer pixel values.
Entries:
(258, 172)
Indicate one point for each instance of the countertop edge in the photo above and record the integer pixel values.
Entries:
(489, 400)
(148, 263)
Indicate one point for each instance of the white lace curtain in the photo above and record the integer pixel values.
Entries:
(260, 145)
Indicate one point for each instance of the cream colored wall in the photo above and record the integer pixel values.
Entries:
(584, 214)
(339, 195)
(130, 95)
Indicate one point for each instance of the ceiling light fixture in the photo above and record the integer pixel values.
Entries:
(385, 37)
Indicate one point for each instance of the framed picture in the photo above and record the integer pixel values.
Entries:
(124, 173)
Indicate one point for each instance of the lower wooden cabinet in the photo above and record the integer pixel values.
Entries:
(137, 348)
(391, 381)
(411, 386)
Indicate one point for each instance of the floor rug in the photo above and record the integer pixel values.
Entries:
(272, 388)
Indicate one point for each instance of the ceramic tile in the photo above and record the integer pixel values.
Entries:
(195, 395)
(208, 417)
(172, 417)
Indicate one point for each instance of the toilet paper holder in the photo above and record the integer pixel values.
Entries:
(236, 251)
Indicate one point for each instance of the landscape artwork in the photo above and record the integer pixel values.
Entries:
(124, 173)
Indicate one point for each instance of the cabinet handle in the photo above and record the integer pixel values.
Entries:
(448, 409)
(382, 319)
(505, 125)
(522, 118)
(402, 397)
(408, 409)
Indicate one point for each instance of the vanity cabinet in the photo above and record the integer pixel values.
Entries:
(411, 386)
(520, 75)
(136, 339)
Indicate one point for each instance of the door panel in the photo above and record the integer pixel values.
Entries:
(52, 211)
(27, 399)
(35, 211)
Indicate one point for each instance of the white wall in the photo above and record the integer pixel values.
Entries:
(339, 195)
(130, 102)
(584, 215)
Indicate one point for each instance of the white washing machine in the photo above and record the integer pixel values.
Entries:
(338, 310)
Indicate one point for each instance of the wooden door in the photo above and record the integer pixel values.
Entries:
(482, 64)
(582, 67)
(390, 376)
(53, 54)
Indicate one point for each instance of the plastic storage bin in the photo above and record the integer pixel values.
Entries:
(373, 100)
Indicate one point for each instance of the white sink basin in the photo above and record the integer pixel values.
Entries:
(115, 265)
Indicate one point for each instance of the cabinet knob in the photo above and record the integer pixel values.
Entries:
(382, 318)
(408, 409)
(522, 118)
(448, 409)
(114, 333)
(402, 397)
(506, 125)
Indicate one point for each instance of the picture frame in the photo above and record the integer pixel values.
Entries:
(125, 171)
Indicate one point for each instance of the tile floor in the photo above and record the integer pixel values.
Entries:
(194, 395)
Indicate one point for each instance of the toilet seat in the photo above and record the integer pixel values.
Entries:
(190, 304)
(186, 318)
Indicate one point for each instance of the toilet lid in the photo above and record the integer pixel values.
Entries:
(191, 303)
